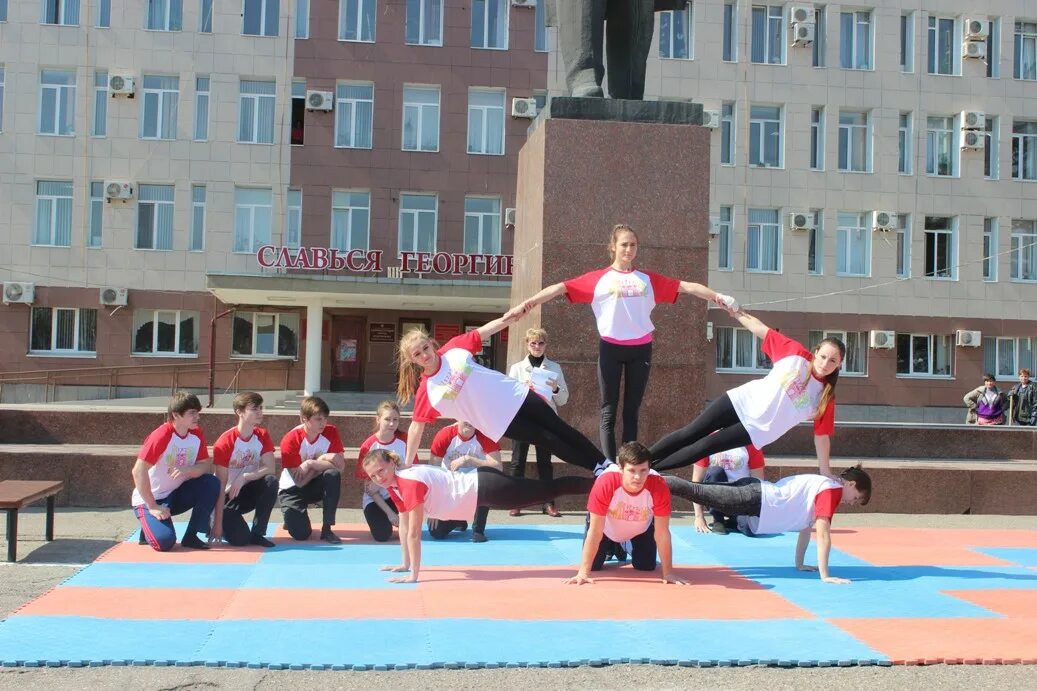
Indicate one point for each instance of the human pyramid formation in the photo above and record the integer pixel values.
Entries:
(629, 502)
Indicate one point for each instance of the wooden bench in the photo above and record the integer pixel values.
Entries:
(16, 494)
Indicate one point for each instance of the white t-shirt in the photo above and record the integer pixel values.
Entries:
(164, 450)
(622, 301)
(449, 445)
(398, 446)
(627, 515)
(447, 496)
(787, 396)
(793, 502)
(463, 389)
(296, 448)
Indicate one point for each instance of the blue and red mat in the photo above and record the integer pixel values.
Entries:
(917, 597)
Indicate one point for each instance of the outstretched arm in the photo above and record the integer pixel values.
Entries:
(757, 327)
(499, 324)
(545, 295)
(663, 543)
(591, 541)
(414, 434)
(823, 446)
(823, 527)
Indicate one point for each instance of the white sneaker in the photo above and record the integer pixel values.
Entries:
(602, 467)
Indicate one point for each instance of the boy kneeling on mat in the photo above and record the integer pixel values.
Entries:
(629, 501)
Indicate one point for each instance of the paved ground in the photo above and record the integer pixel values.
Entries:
(84, 534)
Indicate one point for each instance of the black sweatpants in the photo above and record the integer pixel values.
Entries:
(697, 440)
(500, 491)
(378, 522)
(259, 496)
(325, 489)
(519, 453)
(632, 365)
(739, 498)
(440, 529)
(536, 423)
(642, 550)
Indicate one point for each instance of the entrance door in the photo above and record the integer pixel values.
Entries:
(347, 351)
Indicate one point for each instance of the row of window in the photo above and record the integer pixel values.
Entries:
(357, 19)
(253, 219)
(920, 355)
(764, 238)
(72, 332)
(855, 154)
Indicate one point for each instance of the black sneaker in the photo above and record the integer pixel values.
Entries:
(619, 553)
(192, 541)
(479, 537)
(718, 527)
(142, 540)
(328, 536)
(261, 541)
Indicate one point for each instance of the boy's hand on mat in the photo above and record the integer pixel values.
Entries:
(579, 579)
(834, 579)
(670, 578)
(700, 525)
(396, 569)
(160, 512)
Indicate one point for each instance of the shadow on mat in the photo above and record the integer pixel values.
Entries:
(611, 574)
(889, 573)
(64, 550)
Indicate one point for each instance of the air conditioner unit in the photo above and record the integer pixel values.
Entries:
(882, 339)
(118, 189)
(803, 33)
(971, 139)
(523, 107)
(320, 100)
(711, 119)
(969, 339)
(509, 217)
(801, 13)
(120, 84)
(18, 292)
(801, 220)
(714, 226)
(113, 296)
(524, 3)
(977, 29)
(973, 120)
(885, 221)
(976, 50)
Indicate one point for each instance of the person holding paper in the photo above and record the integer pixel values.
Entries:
(545, 378)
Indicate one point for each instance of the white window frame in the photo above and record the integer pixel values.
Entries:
(847, 132)
(2, 82)
(760, 228)
(278, 317)
(933, 45)
(95, 226)
(99, 113)
(417, 111)
(729, 37)
(159, 96)
(758, 133)
(483, 219)
(343, 17)
(541, 40)
(1025, 35)
(817, 138)
(66, 12)
(293, 218)
(906, 143)
(1024, 148)
(774, 15)
(904, 245)
(251, 209)
(728, 132)
(819, 48)
(205, 16)
(851, 240)
(815, 336)
(504, 6)
(180, 316)
(54, 351)
(52, 200)
(412, 216)
(1024, 250)
(992, 147)
(484, 113)
(994, 49)
(990, 253)
(201, 107)
(169, 21)
(354, 229)
(1018, 360)
(928, 373)
(815, 237)
(952, 260)
(64, 99)
(725, 239)
(301, 19)
(257, 99)
(196, 240)
(861, 54)
(263, 28)
(907, 42)
(758, 358)
(423, 7)
(340, 109)
(166, 205)
(934, 137)
(667, 40)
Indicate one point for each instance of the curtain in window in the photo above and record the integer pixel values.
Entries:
(759, 35)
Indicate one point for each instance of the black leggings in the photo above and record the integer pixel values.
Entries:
(536, 423)
(689, 444)
(739, 498)
(500, 491)
(378, 521)
(613, 361)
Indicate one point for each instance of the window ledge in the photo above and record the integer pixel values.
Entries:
(945, 377)
(1029, 281)
(939, 278)
(729, 370)
(854, 375)
(344, 146)
(420, 45)
(266, 358)
(63, 354)
(855, 172)
(360, 40)
(172, 356)
(71, 135)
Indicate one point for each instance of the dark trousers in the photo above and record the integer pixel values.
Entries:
(536, 423)
(440, 529)
(715, 474)
(642, 553)
(581, 27)
(259, 496)
(378, 522)
(739, 498)
(324, 488)
(632, 365)
(519, 452)
(197, 495)
(500, 491)
(697, 440)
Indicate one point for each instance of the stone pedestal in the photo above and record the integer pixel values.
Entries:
(587, 165)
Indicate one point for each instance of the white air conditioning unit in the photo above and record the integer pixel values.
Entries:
(509, 217)
(973, 120)
(801, 220)
(711, 119)
(882, 339)
(113, 296)
(971, 139)
(976, 50)
(523, 107)
(118, 189)
(524, 3)
(320, 100)
(803, 33)
(801, 13)
(18, 292)
(885, 221)
(714, 226)
(968, 339)
(120, 84)
(976, 29)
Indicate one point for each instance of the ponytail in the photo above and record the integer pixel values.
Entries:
(828, 392)
(409, 374)
(381, 455)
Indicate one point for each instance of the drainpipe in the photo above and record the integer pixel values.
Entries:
(212, 347)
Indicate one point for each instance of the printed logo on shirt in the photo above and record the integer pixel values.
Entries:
(796, 388)
(627, 286)
(450, 387)
(727, 460)
(625, 512)
(176, 460)
(243, 459)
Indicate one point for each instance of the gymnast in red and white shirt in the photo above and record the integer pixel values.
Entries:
(379, 512)
(429, 490)
(622, 299)
(797, 502)
(799, 387)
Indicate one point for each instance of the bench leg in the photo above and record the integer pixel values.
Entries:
(50, 518)
(12, 534)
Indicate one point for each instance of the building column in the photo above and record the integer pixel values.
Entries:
(314, 327)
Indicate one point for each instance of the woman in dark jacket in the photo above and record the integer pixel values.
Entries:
(986, 404)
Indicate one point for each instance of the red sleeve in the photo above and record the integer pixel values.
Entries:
(824, 426)
(423, 410)
(661, 501)
(581, 288)
(203, 449)
(224, 448)
(411, 493)
(441, 442)
(826, 503)
(664, 288)
(264, 439)
(702, 463)
(155, 444)
(601, 494)
(487, 444)
(471, 341)
(334, 441)
(755, 457)
(364, 448)
(777, 345)
(290, 443)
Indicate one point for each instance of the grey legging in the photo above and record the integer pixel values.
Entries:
(739, 498)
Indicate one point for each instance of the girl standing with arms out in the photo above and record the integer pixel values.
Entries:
(448, 382)
(622, 299)
(799, 387)
(379, 511)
